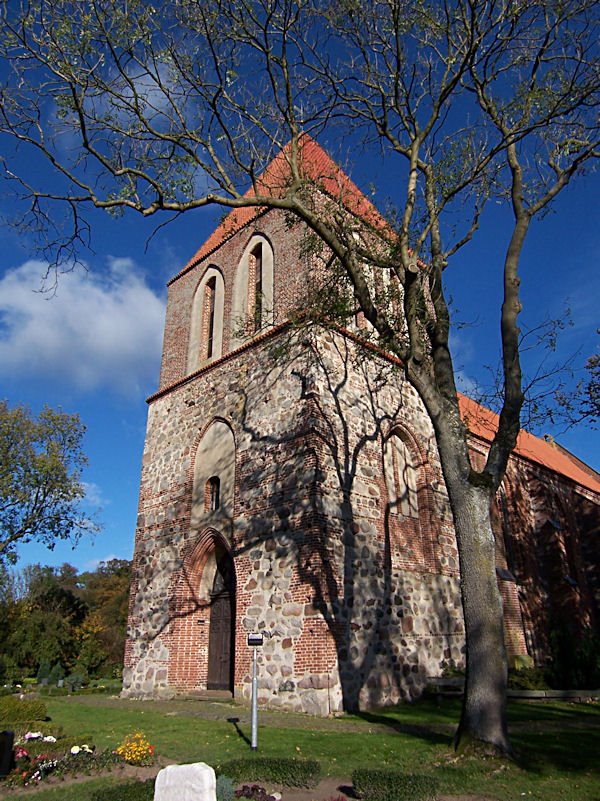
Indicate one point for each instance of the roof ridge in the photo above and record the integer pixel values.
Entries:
(483, 423)
(319, 167)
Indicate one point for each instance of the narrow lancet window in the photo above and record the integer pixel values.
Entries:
(210, 292)
(212, 497)
(255, 289)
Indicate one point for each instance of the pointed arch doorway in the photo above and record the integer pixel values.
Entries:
(221, 639)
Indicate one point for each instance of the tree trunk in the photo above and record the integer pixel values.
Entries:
(483, 717)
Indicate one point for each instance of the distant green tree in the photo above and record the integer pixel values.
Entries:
(106, 593)
(43, 670)
(92, 655)
(7, 607)
(41, 460)
(45, 621)
(56, 616)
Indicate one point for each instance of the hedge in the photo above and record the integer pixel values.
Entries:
(287, 772)
(13, 709)
(385, 785)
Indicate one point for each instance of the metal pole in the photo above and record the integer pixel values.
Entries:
(254, 703)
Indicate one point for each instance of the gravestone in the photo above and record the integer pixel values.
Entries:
(6, 752)
(195, 782)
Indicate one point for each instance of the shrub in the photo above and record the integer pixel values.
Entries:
(383, 785)
(14, 709)
(253, 792)
(452, 672)
(126, 791)
(136, 750)
(56, 674)
(99, 689)
(52, 689)
(225, 788)
(288, 772)
(527, 679)
(75, 681)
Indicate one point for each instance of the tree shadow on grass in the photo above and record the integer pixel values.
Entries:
(437, 734)
(573, 750)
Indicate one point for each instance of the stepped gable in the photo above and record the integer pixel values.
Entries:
(318, 167)
(483, 423)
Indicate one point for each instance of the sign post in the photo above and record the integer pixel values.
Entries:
(254, 641)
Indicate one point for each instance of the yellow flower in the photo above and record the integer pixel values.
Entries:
(136, 750)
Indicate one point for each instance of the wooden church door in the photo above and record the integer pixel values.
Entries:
(221, 634)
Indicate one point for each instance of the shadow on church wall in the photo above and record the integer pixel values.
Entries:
(356, 616)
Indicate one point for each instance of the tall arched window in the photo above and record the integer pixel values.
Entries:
(208, 319)
(401, 473)
(255, 293)
(252, 307)
(206, 328)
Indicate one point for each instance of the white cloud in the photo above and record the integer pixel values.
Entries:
(93, 494)
(93, 564)
(96, 330)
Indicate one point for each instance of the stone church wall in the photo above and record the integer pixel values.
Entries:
(351, 574)
(353, 616)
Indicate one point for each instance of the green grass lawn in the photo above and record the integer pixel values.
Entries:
(558, 744)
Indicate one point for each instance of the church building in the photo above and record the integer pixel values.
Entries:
(291, 487)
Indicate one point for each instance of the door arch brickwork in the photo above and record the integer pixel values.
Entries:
(203, 617)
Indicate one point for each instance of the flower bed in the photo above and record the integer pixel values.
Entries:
(32, 765)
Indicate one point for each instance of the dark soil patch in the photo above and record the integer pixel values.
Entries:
(330, 789)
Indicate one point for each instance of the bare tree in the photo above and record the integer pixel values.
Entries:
(173, 108)
(583, 404)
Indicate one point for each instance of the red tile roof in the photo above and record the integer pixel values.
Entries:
(317, 166)
(483, 424)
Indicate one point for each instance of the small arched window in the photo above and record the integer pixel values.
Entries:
(206, 328)
(212, 494)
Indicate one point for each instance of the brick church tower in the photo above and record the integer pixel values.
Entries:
(291, 486)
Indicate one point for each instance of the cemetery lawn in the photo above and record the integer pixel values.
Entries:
(557, 743)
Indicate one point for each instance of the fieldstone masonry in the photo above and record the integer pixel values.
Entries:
(265, 506)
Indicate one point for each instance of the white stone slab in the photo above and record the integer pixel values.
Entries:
(195, 782)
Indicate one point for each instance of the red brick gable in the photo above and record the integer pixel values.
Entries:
(318, 167)
(483, 423)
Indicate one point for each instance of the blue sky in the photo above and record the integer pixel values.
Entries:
(93, 346)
